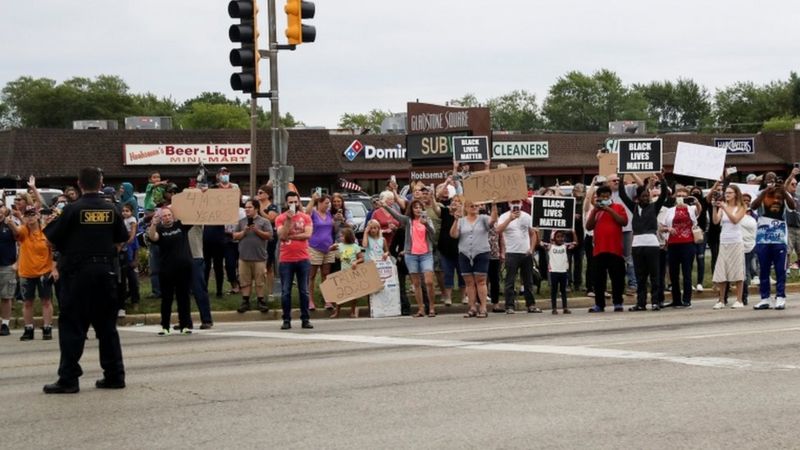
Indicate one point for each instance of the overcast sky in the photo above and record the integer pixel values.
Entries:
(380, 54)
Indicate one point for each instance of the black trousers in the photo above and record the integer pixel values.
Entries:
(576, 267)
(646, 263)
(176, 283)
(558, 283)
(494, 280)
(522, 263)
(89, 297)
(608, 265)
(588, 247)
(214, 255)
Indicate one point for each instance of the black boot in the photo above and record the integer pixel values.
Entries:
(61, 387)
(27, 335)
(244, 306)
(262, 305)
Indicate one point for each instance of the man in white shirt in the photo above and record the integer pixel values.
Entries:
(520, 240)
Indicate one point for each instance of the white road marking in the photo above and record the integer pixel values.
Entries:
(697, 336)
(591, 352)
(508, 327)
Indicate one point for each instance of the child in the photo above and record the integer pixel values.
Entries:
(350, 254)
(558, 269)
(154, 193)
(131, 247)
(375, 246)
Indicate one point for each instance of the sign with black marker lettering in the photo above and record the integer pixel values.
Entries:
(554, 213)
(468, 149)
(351, 284)
(639, 155)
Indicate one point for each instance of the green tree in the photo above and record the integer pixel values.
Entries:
(683, 105)
(370, 121)
(578, 102)
(211, 116)
(211, 98)
(745, 106)
(151, 105)
(466, 101)
(515, 111)
(781, 123)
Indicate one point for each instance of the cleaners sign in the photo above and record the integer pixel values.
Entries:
(521, 150)
(554, 213)
(185, 154)
(639, 155)
(468, 149)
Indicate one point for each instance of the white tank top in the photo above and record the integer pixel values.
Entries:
(731, 232)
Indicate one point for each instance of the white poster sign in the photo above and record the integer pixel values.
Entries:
(699, 161)
(386, 302)
(185, 154)
(752, 189)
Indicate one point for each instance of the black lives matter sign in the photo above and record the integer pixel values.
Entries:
(556, 213)
(470, 149)
(639, 155)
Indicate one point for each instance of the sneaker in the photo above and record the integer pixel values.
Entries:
(619, 308)
(719, 305)
(206, 326)
(699, 287)
(510, 311)
(465, 300)
(4, 331)
(755, 281)
(47, 333)
(533, 309)
(186, 331)
(763, 304)
(772, 280)
(737, 305)
(243, 307)
(555, 311)
(590, 294)
(164, 332)
(307, 325)
(780, 303)
(27, 335)
(655, 307)
(596, 309)
(286, 326)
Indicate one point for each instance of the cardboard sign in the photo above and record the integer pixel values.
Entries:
(497, 185)
(212, 207)
(386, 302)
(346, 285)
(607, 164)
(554, 213)
(699, 161)
(469, 149)
(639, 155)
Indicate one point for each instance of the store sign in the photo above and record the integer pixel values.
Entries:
(426, 118)
(468, 149)
(432, 175)
(185, 154)
(371, 152)
(430, 147)
(521, 150)
(736, 146)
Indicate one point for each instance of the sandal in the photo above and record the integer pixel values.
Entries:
(470, 313)
(482, 315)
(419, 314)
(498, 309)
(432, 314)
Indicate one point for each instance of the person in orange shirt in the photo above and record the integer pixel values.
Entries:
(36, 271)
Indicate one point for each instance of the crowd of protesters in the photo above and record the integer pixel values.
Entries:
(644, 237)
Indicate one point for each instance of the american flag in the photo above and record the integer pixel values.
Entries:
(349, 185)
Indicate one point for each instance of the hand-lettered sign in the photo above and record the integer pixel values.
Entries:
(210, 207)
(346, 285)
(496, 185)
(699, 161)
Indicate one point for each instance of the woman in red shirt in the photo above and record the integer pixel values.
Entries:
(679, 221)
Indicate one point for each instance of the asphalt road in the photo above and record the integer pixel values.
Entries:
(672, 379)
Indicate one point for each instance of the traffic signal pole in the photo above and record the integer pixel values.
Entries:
(279, 157)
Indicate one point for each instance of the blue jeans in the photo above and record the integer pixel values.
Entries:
(449, 267)
(155, 268)
(627, 251)
(700, 257)
(200, 290)
(288, 271)
(769, 255)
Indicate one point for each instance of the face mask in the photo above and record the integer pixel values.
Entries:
(224, 178)
(61, 205)
(605, 202)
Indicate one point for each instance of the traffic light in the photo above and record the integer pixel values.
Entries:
(296, 11)
(246, 33)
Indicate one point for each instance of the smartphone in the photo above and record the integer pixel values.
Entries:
(689, 200)
(393, 179)
(45, 211)
(515, 208)
(250, 221)
(731, 170)
(293, 208)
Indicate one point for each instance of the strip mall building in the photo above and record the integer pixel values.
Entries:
(322, 157)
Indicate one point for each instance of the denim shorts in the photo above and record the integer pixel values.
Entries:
(29, 286)
(479, 265)
(419, 263)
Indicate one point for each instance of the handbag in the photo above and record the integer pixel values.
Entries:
(697, 232)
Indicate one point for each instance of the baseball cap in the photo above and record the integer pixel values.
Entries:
(223, 169)
(751, 177)
(172, 187)
(109, 190)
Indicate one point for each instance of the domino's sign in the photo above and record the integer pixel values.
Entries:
(371, 152)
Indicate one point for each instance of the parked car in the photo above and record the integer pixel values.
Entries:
(47, 194)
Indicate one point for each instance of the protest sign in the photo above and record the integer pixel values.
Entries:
(212, 207)
(497, 185)
(468, 149)
(607, 164)
(386, 302)
(555, 213)
(346, 285)
(752, 189)
(639, 155)
(699, 161)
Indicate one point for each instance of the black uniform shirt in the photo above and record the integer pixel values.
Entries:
(89, 227)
